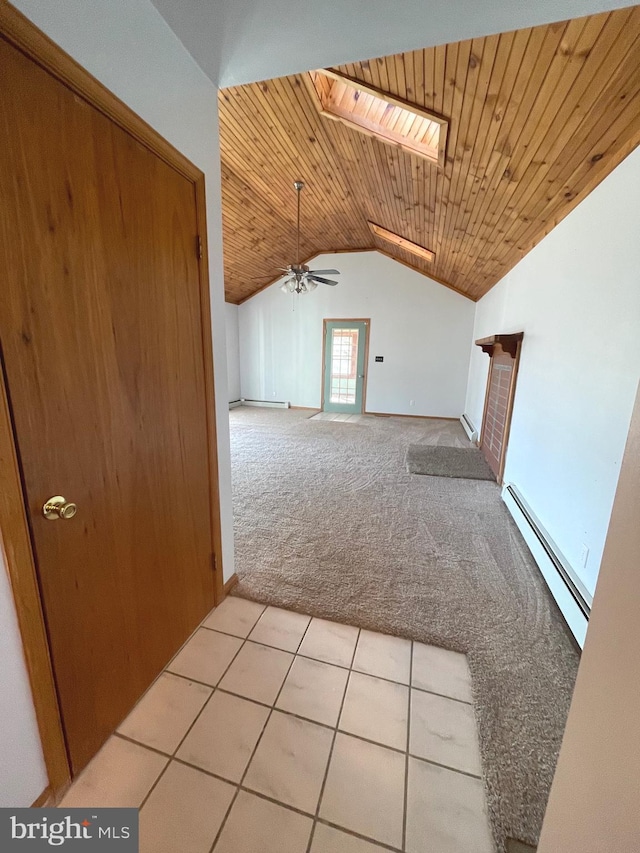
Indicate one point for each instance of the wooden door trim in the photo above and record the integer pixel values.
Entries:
(367, 322)
(209, 390)
(23, 578)
(23, 34)
(510, 345)
(45, 800)
(19, 31)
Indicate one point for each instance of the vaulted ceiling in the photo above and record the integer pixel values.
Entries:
(537, 118)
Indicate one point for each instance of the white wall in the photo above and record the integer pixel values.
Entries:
(128, 46)
(593, 805)
(233, 351)
(576, 296)
(240, 41)
(22, 772)
(422, 329)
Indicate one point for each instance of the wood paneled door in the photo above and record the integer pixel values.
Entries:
(102, 322)
(504, 351)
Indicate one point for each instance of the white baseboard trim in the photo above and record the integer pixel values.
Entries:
(570, 595)
(267, 404)
(235, 403)
(468, 427)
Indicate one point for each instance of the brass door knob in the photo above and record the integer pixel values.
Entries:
(58, 507)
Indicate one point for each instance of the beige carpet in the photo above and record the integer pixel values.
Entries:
(328, 522)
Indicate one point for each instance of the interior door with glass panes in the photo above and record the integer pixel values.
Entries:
(345, 345)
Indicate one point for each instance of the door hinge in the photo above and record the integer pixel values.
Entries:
(214, 562)
(199, 247)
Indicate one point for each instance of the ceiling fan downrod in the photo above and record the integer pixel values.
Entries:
(301, 278)
(299, 186)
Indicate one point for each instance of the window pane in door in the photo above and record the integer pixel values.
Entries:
(344, 359)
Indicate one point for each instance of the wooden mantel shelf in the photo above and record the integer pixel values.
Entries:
(509, 343)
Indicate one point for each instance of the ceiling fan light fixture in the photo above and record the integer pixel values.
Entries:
(303, 279)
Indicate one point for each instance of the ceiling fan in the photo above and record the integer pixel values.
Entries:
(300, 278)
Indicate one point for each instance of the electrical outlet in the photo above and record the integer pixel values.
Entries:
(412, 402)
(273, 394)
(584, 555)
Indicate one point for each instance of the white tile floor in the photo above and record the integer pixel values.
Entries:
(271, 732)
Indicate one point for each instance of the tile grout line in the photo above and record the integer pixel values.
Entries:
(239, 785)
(297, 717)
(406, 752)
(340, 666)
(406, 757)
(211, 687)
(194, 721)
(163, 671)
(333, 741)
(373, 841)
(215, 688)
(288, 806)
(257, 744)
(269, 799)
(316, 660)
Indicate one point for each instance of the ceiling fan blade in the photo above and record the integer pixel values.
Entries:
(321, 280)
(324, 272)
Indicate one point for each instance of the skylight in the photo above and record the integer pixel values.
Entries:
(402, 242)
(379, 114)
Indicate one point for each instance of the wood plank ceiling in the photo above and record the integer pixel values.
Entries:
(537, 118)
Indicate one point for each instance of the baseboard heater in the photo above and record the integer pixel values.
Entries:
(570, 594)
(469, 428)
(269, 404)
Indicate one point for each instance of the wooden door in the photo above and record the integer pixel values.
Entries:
(498, 405)
(102, 348)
